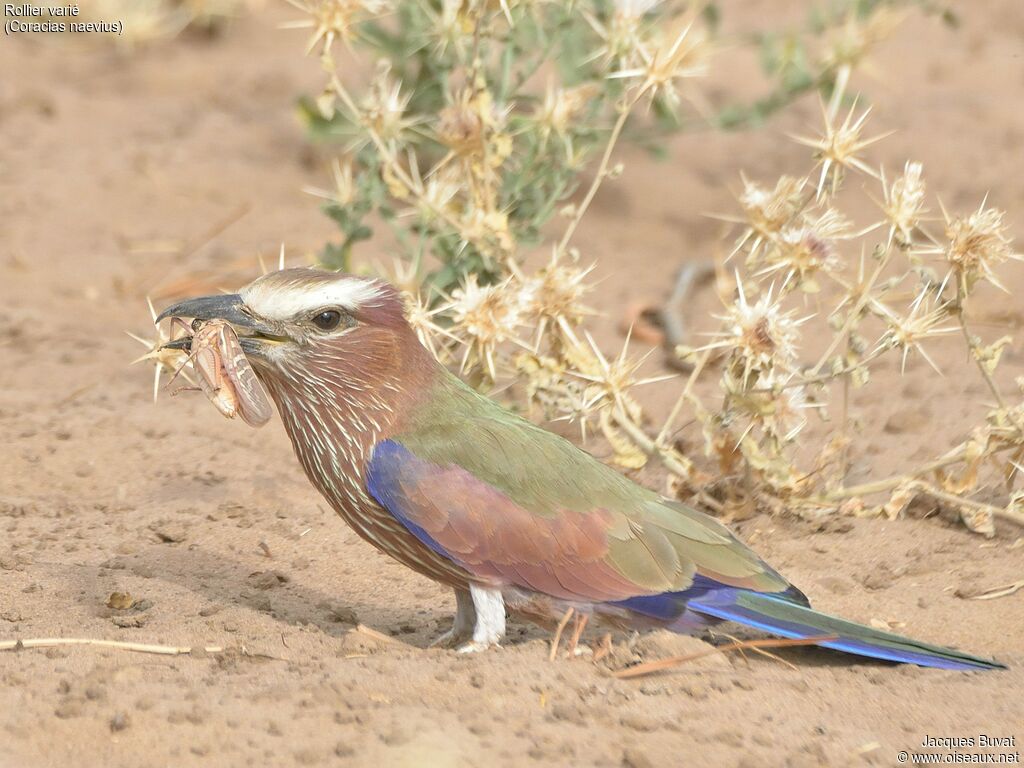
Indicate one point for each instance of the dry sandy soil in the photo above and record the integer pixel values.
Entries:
(112, 166)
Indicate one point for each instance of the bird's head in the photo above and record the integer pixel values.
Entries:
(307, 331)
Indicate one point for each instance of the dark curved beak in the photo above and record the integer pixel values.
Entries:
(228, 307)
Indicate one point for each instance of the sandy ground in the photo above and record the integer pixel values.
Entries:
(108, 163)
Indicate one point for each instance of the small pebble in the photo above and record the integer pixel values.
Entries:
(68, 708)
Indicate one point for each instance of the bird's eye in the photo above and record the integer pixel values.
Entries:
(327, 320)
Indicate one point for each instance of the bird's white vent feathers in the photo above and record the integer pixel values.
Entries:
(280, 297)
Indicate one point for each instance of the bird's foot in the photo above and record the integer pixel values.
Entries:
(477, 646)
(453, 638)
(462, 624)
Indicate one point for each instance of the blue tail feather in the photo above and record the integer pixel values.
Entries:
(789, 614)
(780, 616)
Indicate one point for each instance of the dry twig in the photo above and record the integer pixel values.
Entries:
(52, 642)
(660, 665)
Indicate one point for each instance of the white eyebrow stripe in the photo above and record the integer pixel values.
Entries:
(283, 302)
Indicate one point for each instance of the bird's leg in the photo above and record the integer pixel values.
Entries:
(579, 625)
(553, 652)
(462, 626)
(490, 619)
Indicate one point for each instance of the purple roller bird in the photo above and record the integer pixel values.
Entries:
(509, 515)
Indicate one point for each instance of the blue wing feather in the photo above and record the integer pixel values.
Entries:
(384, 483)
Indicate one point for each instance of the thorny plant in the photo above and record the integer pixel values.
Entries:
(900, 283)
(455, 147)
(479, 118)
(905, 285)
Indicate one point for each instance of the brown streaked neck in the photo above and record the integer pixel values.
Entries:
(338, 399)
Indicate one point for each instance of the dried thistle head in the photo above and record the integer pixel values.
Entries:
(553, 297)
(484, 317)
(450, 26)
(800, 251)
(384, 108)
(488, 230)
(333, 20)
(422, 319)
(560, 111)
(839, 148)
(680, 53)
(977, 244)
(560, 396)
(471, 125)
(758, 336)
(922, 322)
(903, 204)
(768, 401)
(850, 43)
(460, 126)
(621, 35)
(440, 195)
(610, 380)
(767, 211)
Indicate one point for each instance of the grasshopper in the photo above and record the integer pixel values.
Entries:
(224, 373)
